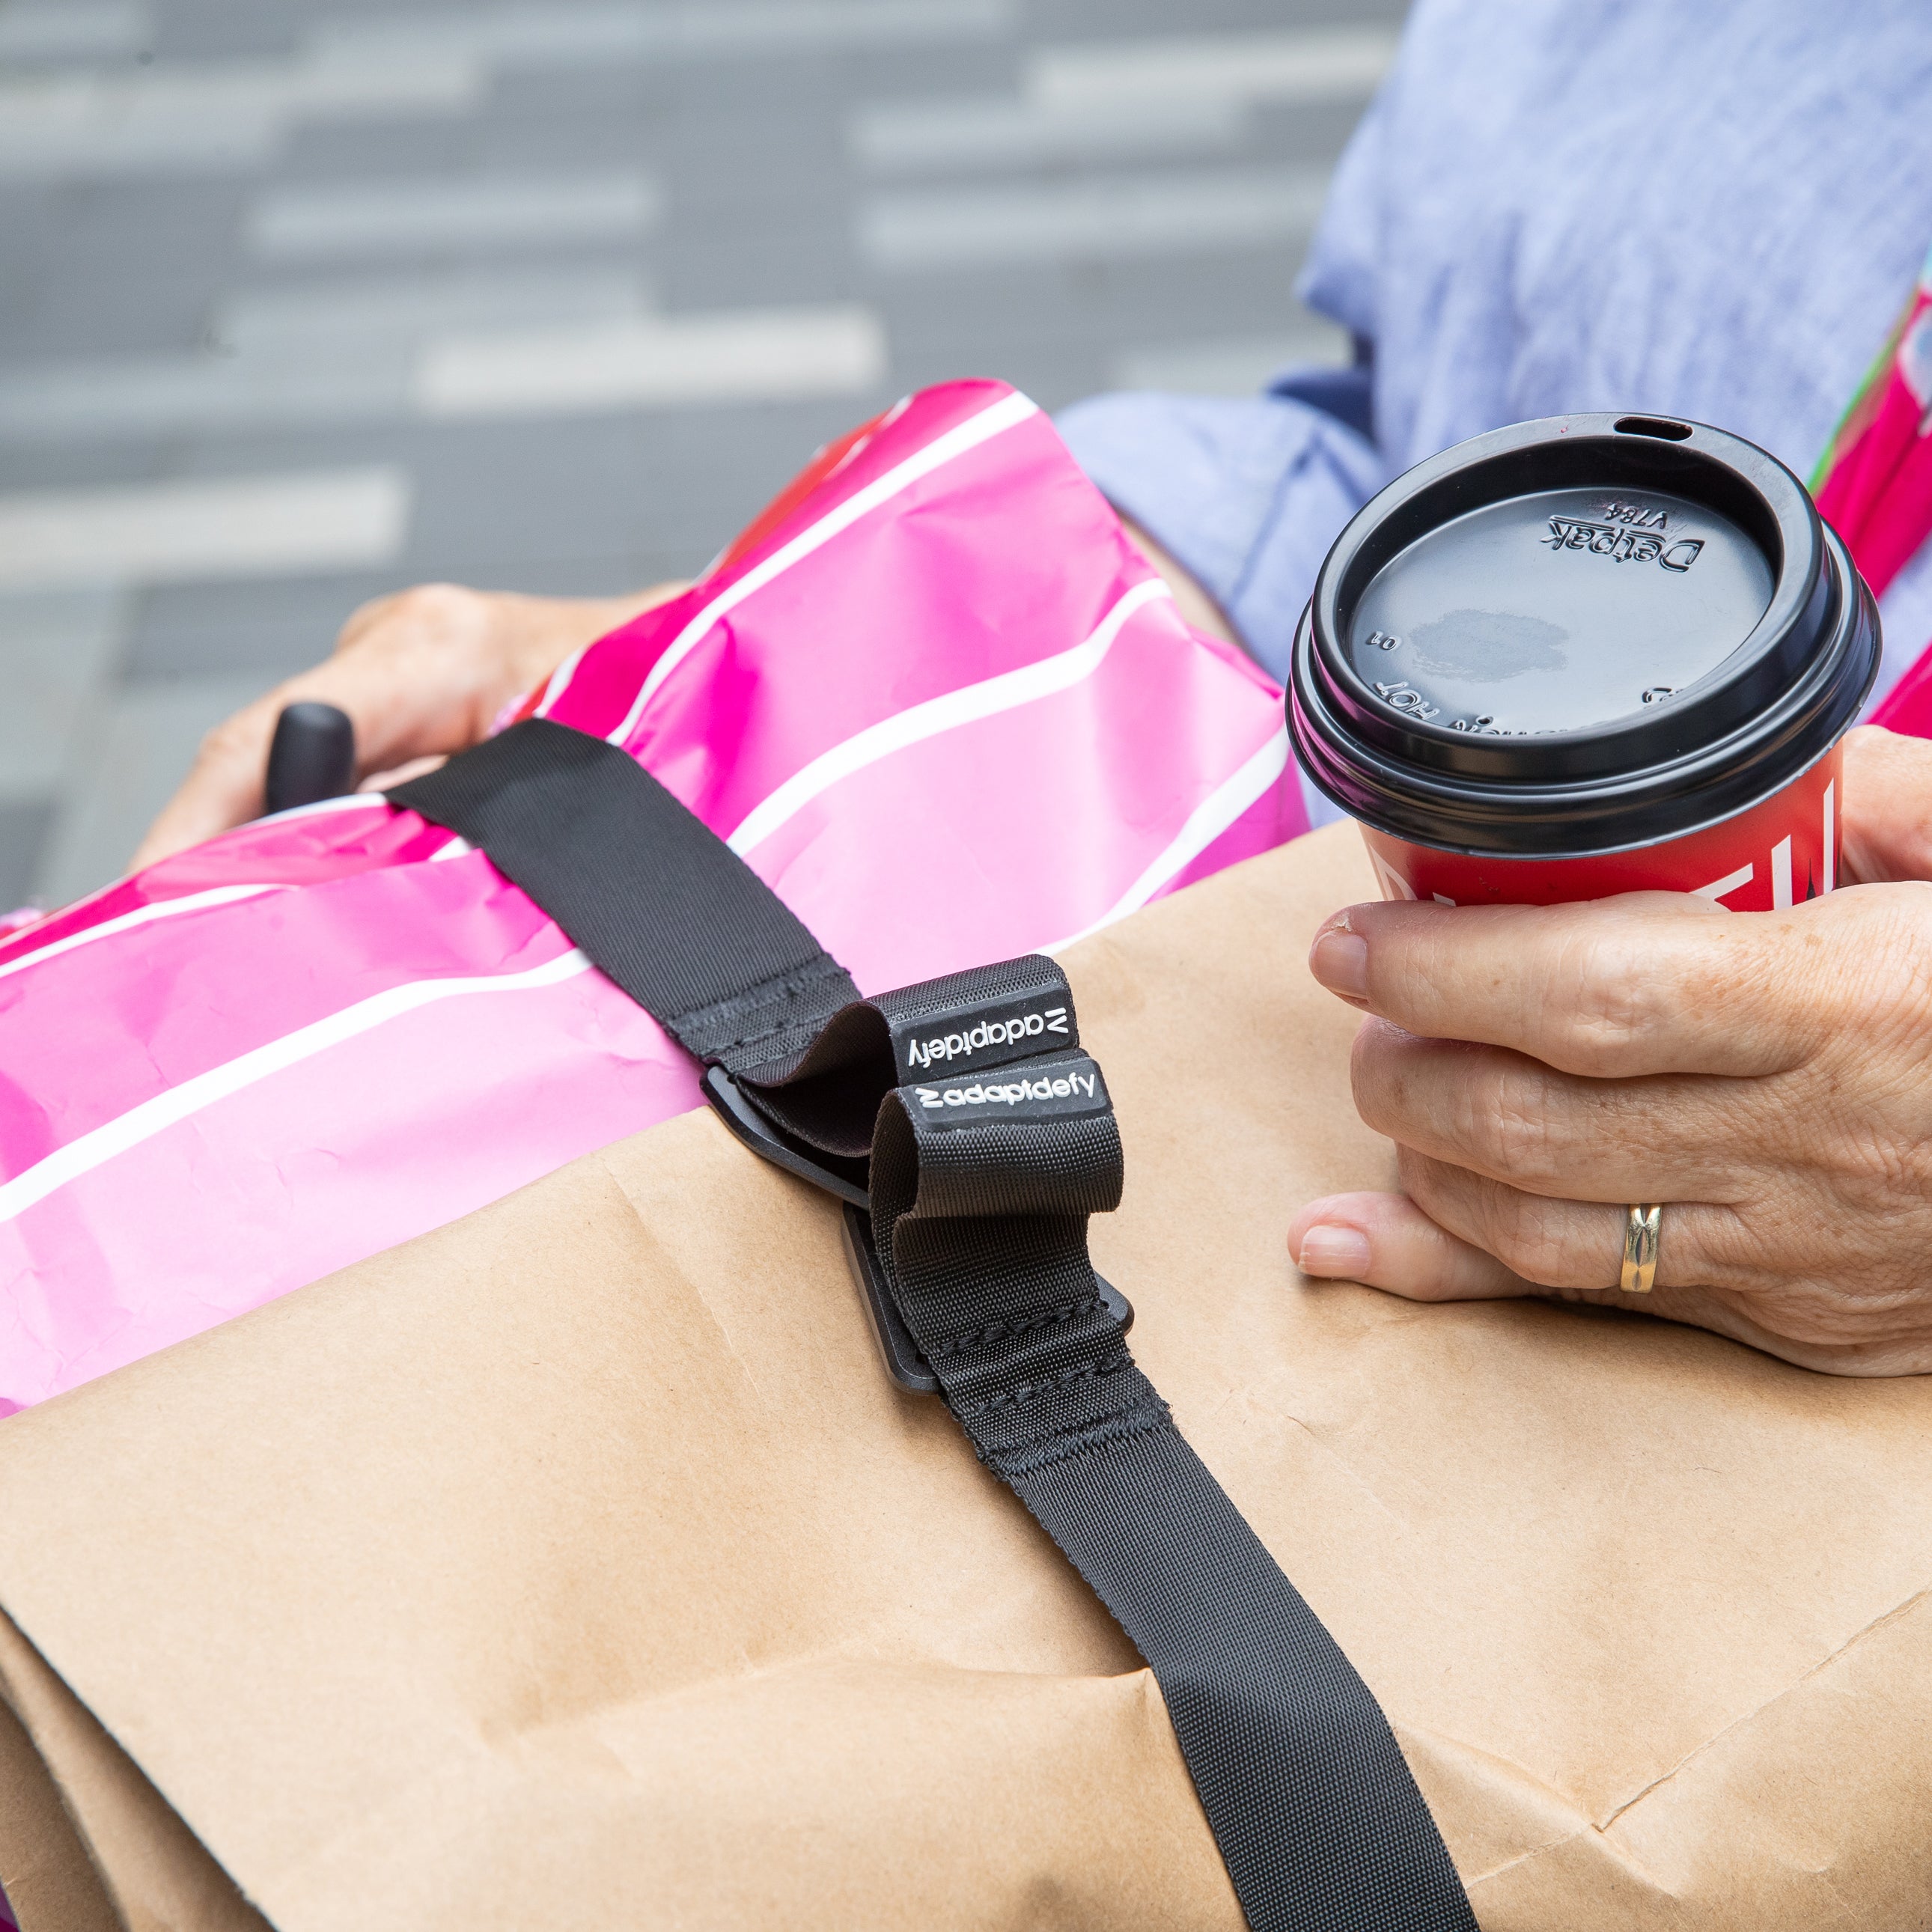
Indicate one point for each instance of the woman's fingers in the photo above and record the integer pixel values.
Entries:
(1384, 1240)
(421, 674)
(224, 785)
(1653, 982)
(1576, 1247)
(401, 775)
(1455, 1236)
(1501, 1113)
(1888, 807)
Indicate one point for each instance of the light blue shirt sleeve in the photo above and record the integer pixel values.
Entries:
(1248, 493)
(1712, 211)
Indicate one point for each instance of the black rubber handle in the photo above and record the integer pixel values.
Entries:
(313, 756)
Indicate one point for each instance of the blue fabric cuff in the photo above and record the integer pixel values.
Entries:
(1248, 493)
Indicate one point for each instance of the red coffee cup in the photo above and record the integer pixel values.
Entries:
(1590, 655)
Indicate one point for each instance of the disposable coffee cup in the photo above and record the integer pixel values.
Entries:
(1590, 655)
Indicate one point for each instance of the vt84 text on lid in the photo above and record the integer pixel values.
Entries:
(1589, 655)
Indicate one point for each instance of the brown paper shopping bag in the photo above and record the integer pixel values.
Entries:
(577, 1566)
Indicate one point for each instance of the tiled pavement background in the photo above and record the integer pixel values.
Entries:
(304, 300)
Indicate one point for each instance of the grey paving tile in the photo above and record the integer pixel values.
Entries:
(570, 33)
(267, 631)
(728, 267)
(286, 316)
(507, 494)
(613, 139)
(29, 225)
(137, 396)
(1225, 365)
(79, 313)
(1314, 130)
(1173, 213)
(119, 232)
(73, 30)
(495, 501)
(759, 176)
(24, 826)
(79, 465)
(192, 29)
(57, 652)
(610, 576)
(181, 117)
(619, 92)
(139, 748)
(369, 218)
(1104, 304)
(401, 146)
(830, 81)
(1079, 20)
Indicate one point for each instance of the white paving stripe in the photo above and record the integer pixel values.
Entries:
(324, 353)
(265, 526)
(1002, 131)
(566, 35)
(225, 114)
(765, 355)
(141, 916)
(1307, 64)
(946, 713)
(292, 319)
(1124, 215)
(1205, 824)
(90, 1150)
(409, 214)
(161, 395)
(976, 430)
(1236, 366)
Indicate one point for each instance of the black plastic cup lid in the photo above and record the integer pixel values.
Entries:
(1576, 635)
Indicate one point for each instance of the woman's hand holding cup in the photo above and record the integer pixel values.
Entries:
(1767, 1075)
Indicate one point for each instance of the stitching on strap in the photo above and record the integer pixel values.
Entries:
(999, 1331)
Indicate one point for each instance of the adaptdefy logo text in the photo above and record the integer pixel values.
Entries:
(1068, 1086)
(943, 1047)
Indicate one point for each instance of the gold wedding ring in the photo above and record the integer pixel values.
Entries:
(1640, 1248)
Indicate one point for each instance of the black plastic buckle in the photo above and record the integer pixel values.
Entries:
(904, 1362)
(845, 1178)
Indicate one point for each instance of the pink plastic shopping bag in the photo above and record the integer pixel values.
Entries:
(934, 697)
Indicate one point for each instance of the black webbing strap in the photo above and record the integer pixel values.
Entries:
(991, 1138)
(646, 888)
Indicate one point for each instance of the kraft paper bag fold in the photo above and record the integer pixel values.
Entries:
(576, 1565)
(146, 1871)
